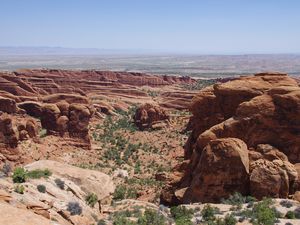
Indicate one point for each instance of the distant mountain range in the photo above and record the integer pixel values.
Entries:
(67, 51)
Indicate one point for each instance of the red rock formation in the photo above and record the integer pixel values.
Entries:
(147, 115)
(222, 169)
(226, 111)
(260, 109)
(8, 134)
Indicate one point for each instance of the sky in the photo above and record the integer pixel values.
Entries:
(183, 26)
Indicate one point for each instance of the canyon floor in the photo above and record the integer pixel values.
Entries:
(102, 147)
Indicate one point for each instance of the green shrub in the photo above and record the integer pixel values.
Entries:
(74, 208)
(60, 183)
(234, 199)
(20, 189)
(41, 188)
(263, 213)
(120, 192)
(122, 220)
(229, 220)
(123, 192)
(37, 174)
(182, 215)
(91, 199)
(250, 199)
(151, 217)
(290, 215)
(200, 84)
(297, 212)
(131, 193)
(286, 203)
(19, 175)
(208, 213)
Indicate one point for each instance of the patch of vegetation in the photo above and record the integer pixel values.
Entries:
(286, 203)
(19, 189)
(238, 199)
(261, 213)
(123, 192)
(290, 215)
(41, 188)
(91, 199)
(200, 84)
(229, 220)
(37, 174)
(60, 183)
(19, 175)
(152, 94)
(297, 212)
(208, 213)
(182, 215)
(149, 217)
(74, 208)
(137, 167)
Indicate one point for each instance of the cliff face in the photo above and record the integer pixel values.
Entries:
(67, 81)
(255, 110)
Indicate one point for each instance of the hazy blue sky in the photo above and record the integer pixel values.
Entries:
(197, 26)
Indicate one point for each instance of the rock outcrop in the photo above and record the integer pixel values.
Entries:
(263, 112)
(88, 180)
(223, 168)
(66, 184)
(7, 105)
(19, 216)
(147, 115)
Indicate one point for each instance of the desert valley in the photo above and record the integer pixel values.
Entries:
(132, 112)
(87, 147)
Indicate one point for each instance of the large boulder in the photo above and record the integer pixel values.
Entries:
(8, 133)
(268, 179)
(90, 181)
(79, 117)
(148, 114)
(31, 128)
(271, 173)
(223, 168)
(49, 116)
(62, 125)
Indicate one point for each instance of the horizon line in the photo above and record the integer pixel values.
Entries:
(140, 51)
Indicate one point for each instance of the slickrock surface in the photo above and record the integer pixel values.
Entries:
(36, 207)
